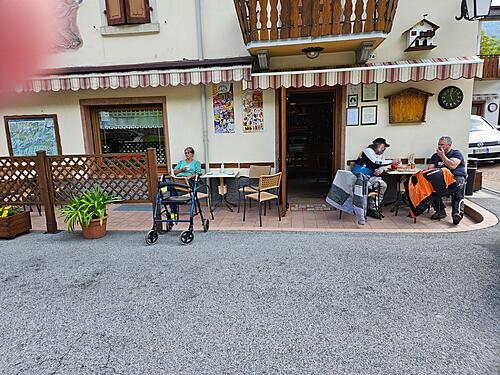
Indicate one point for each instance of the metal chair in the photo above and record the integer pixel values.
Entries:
(267, 183)
(244, 182)
(188, 191)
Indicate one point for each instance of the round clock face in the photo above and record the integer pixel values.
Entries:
(492, 107)
(450, 97)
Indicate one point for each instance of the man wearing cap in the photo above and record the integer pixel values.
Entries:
(371, 163)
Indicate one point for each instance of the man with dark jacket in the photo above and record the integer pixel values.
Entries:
(371, 163)
(452, 159)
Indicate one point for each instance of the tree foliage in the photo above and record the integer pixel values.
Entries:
(490, 45)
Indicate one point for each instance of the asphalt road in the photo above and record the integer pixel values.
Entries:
(258, 303)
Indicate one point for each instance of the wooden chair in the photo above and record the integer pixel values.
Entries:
(188, 191)
(267, 183)
(244, 182)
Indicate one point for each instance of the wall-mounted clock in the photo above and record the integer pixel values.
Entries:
(492, 107)
(450, 97)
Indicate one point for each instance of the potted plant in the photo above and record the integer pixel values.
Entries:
(89, 210)
(13, 221)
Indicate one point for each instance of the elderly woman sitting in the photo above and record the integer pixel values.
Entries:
(188, 167)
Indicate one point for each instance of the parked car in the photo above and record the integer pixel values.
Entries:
(484, 140)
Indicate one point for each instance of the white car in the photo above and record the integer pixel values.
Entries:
(484, 140)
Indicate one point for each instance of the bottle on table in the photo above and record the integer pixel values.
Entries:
(222, 167)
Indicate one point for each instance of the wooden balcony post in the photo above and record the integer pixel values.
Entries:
(346, 27)
(46, 190)
(152, 173)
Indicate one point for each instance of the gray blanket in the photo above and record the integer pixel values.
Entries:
(349, 193)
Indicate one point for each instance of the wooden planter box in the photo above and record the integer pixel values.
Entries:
(12, 226)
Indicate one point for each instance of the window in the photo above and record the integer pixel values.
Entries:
(127, 12)
(121, 130)
(480, 125)
(28, 134)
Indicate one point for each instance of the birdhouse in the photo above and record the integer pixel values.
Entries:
(419, 37)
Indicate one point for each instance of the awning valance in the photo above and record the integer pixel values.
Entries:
(134, 79)
(398, 71)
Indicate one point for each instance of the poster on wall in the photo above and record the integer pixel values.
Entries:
(253, 111)
(27, 135)
(223, 104)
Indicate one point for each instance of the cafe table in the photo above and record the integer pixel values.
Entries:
(221, 175)
(401, 174)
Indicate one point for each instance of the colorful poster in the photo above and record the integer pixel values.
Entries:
(28, 135)
(223, 104)
(253, 112)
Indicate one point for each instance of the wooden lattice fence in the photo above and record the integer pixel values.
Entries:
(19, 181)
(126, 176)
(51, 180)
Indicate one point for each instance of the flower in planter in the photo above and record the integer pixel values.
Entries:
(10, 211)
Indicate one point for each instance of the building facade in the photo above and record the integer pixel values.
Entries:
(301, 85)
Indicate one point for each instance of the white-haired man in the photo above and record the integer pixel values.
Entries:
(446, 156)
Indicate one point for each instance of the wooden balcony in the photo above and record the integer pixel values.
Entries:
(284, 27)
(490, 66)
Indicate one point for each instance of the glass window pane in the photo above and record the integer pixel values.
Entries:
(132, 130)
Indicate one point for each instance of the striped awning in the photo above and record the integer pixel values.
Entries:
(397, 71)
(134, 79)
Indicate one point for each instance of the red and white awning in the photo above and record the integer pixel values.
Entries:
(134, 79)
(390, 72)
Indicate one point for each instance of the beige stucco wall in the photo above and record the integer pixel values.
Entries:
(489, 87)
(184, 122)
(419, 139)
(175, 41)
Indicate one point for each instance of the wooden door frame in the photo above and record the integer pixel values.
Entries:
(86, 110)
(339, 131)
(482, 106)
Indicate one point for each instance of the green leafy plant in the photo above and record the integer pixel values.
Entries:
(89, 206)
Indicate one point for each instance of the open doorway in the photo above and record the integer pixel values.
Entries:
(309, 145)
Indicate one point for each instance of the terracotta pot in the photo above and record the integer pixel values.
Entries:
(95, 230)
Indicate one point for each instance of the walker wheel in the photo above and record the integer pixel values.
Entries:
(206, 225)
(151, 237)
(186, 237)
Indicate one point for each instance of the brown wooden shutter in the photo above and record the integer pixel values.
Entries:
(115, 12)
(137, 11)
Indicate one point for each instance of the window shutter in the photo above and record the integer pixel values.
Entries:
(137, 11)
(115, 12)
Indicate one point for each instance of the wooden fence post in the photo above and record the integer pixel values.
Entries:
(152, 176)
(45, 184)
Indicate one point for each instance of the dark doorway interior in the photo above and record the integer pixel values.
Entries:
(310, 129)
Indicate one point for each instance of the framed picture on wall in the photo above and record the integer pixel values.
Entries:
(369, 115)
(28, 134)
(352, 117)
(352, 101)
(369, 92)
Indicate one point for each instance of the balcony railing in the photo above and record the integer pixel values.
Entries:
(275, 20)
(490, 66)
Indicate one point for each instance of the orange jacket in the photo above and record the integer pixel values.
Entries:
(425, 186)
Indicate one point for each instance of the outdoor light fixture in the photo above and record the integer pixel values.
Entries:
(363, 52)
(263, 57)
(473, 10)
(312, 52)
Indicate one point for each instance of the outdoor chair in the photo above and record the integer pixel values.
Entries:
(249, 184)
(373, 192)
(188, 191)
(267, 191)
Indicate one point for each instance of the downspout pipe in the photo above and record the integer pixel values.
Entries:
(203, 97)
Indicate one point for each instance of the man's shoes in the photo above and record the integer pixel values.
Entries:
(457, 218)
(374, 214)
(438, 215)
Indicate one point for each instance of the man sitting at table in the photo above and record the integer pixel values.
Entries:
(452, 159)
(371, 164)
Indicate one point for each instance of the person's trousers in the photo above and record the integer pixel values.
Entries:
(372, 182)
(457, 197)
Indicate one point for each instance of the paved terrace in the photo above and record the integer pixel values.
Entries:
(137, 217)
